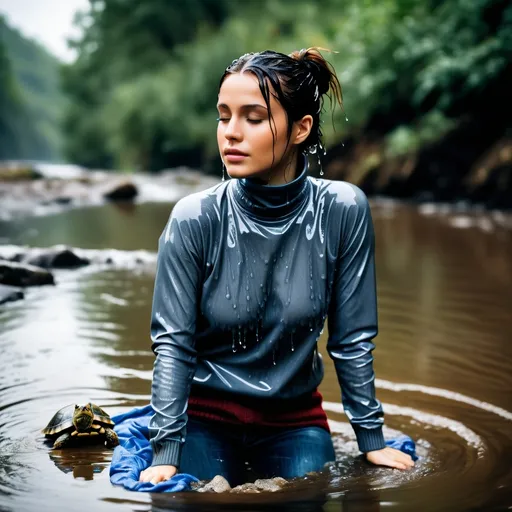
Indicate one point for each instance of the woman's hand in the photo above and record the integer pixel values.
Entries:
(157, 474)
(390, 457)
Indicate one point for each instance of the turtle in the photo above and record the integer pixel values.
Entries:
(80, 421)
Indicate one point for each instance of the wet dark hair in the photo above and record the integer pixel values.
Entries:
(300, 81)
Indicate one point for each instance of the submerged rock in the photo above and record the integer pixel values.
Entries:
(220, 484)
(261, 485)
(270, 484)
(18, 274)
(248, 488)
(10, 294)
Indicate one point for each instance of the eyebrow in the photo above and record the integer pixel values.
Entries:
(251, 106)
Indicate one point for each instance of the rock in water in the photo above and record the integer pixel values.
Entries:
(122, 192)
(10, 293)
(18, 274)
(217, 484)
(59, 257)
(220, 484)
(270, 484)
(247, 488)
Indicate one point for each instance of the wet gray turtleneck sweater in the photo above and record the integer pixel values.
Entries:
(246, 276)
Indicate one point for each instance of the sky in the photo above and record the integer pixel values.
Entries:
(49, 22)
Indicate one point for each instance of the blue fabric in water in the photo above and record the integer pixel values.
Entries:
(134, 454)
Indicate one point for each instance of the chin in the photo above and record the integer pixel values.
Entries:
(239, 172)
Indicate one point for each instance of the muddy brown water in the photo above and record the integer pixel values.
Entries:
(443, 363)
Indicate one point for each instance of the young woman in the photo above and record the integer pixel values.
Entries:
(248, 271)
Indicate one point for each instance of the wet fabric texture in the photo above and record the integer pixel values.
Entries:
(247, 275)
(134, 453)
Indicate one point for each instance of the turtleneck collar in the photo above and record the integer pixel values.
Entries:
(272, 201)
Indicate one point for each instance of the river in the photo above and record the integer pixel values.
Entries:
(443, 363)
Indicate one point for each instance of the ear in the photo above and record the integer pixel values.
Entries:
(302, 129)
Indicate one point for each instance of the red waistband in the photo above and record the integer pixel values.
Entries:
(304, 412)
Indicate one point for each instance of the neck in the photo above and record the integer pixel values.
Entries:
(285, 172)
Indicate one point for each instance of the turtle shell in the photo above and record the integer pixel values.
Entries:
(62, 420)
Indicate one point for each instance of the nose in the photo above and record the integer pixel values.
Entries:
(233, 131)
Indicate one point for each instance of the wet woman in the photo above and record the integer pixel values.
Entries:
(248, 271)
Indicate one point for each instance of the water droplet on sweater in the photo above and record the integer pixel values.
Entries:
(234, 306)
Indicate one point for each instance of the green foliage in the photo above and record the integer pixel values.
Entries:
(144, 86)
(30, 100)
(409, 138)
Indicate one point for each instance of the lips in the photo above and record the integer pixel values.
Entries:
(235, 155)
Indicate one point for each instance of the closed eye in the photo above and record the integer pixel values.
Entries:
(226, 119)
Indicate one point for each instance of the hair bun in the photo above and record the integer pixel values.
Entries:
(317, 66)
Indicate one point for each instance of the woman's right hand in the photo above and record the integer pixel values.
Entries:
(157, 474)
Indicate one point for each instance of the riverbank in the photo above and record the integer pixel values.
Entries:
(28, 189)
(471, 163)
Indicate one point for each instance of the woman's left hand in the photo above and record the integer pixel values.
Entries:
(390, 457)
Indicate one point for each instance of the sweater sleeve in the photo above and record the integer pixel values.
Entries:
(352, 323)
(173, 325)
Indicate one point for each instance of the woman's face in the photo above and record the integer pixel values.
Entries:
(244, 135)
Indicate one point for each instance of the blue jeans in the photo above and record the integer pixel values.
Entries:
(243, 453)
